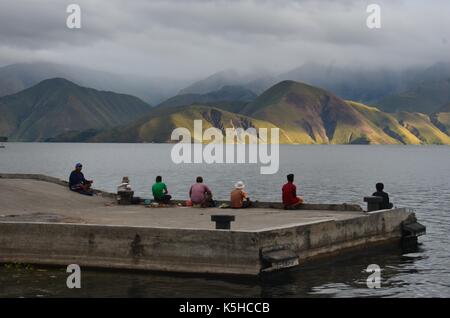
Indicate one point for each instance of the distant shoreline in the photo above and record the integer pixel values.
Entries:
(171, 144)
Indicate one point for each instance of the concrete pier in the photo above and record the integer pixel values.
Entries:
(42, 222)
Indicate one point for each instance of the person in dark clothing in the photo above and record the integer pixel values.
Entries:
(380, 193)
(78, 183)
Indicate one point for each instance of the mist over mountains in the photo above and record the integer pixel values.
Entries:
(153, 90)
(423, 89)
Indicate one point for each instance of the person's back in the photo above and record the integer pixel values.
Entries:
(76, 178)
(289, 193)
(380, 193)
(160, 192)
(237, 197)
(197, 192)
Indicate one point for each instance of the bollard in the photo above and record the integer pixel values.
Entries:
(373, 203)
(223, 222)
(125, 197)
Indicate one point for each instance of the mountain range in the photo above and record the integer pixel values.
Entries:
(415, 89)
(413, 107)
(57, 105)
(304, 114)
(418, 89)
(153, 90)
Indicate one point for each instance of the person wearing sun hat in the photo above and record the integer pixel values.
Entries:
(238, 197)
(125, 194)
(125, 185)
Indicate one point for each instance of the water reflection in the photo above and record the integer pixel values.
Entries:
(343, 276)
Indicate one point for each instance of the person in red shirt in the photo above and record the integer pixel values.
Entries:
(290, 198)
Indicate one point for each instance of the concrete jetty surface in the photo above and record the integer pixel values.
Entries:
(42, 222)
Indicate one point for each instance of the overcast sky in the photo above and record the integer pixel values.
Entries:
(194, 38)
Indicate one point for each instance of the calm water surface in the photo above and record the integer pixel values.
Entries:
(416, 177)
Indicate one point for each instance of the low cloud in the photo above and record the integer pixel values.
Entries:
(193, 38)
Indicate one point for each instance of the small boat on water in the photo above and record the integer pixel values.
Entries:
(2, 141)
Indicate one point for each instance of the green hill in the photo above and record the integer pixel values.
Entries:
(159, 124)
(312, 115)
(442, 121)
(388, 123)
(58, 110)
(55, 106)
(17, 77)
(423, 128)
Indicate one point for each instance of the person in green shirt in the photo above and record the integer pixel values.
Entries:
(160, 193)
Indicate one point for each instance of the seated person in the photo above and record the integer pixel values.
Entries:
(385, 204)
(200, 194)
(125, 193)
(289, 191)
(78, 183)
(125, 185)
(160, 193)
(239, 198)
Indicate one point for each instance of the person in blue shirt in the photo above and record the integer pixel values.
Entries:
(78, 183)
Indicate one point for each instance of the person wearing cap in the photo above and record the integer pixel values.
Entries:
(78, 183)
(289, 194)
(239, 198)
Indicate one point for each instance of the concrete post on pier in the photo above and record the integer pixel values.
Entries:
(223, 222)
(373, 203)
(125, 197)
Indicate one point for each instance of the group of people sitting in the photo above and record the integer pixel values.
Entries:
(201, 195)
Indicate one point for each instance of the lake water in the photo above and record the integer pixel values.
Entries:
(415, 176)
